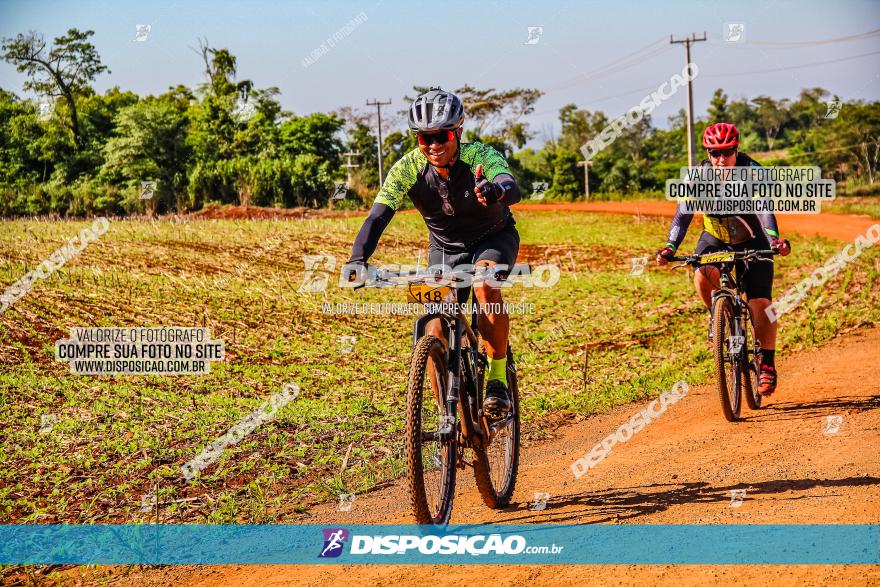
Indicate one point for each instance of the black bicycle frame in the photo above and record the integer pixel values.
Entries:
(732, 290)
(454, 327)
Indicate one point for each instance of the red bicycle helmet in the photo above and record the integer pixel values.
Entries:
(721, 135)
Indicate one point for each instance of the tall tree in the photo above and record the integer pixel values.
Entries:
(579, 126)
(772, 115)
(151, 146)
(63, 71)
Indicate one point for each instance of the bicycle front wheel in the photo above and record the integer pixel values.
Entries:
(430, 459)
(727, 370)
(496, 465)
(751, 368)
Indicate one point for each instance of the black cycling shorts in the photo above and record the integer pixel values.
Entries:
(757, 279)
(501, 247)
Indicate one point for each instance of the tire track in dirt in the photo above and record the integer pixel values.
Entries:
(680, 469)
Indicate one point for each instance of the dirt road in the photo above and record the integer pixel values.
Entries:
(680, 469)
(843, 227)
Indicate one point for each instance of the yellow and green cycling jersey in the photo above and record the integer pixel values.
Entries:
(414, 178)
(727, 228)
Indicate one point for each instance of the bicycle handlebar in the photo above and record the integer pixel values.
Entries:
(749, 255)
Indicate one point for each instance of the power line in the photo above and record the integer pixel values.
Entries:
(773, 46)
(622, 63)
(615, 66)
(596, 101)
(611, 68)
(654, 87)
(792, 66)
(846, 39)
(645, 89)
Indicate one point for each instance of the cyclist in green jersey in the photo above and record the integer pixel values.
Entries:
(463, 191)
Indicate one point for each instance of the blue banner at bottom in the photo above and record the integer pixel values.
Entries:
(413, 544)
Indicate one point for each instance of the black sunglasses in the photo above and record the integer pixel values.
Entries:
(716, 153)
(444, 193)
(439, 138)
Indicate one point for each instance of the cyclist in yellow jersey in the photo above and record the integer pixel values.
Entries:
(734, 232)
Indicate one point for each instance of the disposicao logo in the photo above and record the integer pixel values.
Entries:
(334, 541)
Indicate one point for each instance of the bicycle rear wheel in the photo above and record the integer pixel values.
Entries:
(751, 369)
(726, 363)
(430, 460)
(496, 465)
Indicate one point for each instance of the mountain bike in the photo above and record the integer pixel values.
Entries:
(736, 349)
(444, 399)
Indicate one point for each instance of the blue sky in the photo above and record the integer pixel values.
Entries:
(451, 43)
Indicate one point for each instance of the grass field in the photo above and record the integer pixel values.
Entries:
(599, 338)
(862, 205)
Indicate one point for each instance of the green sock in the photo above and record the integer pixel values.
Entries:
(498, 370)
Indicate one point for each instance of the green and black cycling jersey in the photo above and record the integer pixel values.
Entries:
(727, 228)
(415, 178)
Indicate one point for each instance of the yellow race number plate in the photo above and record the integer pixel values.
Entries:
(722, 257)
(429, 293)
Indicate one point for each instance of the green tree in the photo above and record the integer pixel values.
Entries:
(532, 166)
(315, 134)
(396, 145)
(809, 109)
(20, 133)
(98, 125)
(566, 176)
(220, 121)
(362, 140)
(579, 126)
(65, 70)
(772, 115)
(718, 107)
(22, 163)
(151, 146)
(847, 148)
(257, 124)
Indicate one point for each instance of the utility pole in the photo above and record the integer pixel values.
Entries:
(349, 165)
(687, 41)
(586, 165)
(378, 106)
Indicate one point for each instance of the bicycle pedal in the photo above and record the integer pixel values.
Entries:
(494, 415)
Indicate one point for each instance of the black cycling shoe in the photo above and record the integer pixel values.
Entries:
(497, 402)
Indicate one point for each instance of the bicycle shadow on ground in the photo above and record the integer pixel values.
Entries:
(619, 505)
(811, 409)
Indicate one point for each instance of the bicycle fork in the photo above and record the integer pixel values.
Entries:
(735, 343)
(452, 397)
(447, 424)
